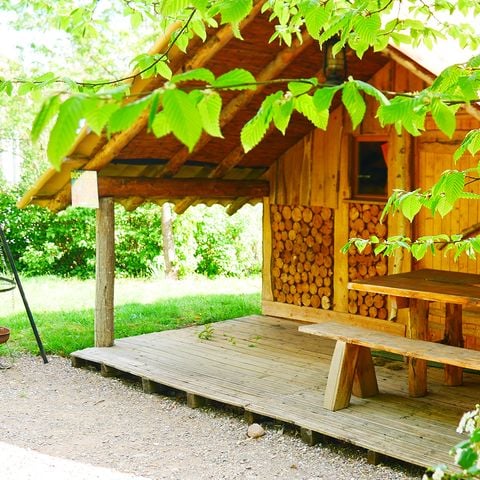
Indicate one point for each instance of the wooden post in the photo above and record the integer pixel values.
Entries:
(417, 327)
(105, 273)
(267, 293)
(400, 163)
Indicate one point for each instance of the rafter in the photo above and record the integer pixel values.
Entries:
(272, 70)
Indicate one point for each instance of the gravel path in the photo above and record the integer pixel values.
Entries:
(77, 414)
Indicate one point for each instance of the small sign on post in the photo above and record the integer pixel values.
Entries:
(84, 188)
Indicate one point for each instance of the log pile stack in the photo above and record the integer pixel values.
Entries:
(302, 255)
(364, 221)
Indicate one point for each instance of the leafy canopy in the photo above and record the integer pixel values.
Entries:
(106, 105)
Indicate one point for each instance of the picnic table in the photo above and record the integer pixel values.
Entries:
(352, 369)
(416, 290)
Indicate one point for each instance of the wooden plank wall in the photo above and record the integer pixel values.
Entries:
(434, 155)
(315, 173)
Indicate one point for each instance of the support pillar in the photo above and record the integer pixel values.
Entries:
(105, 274)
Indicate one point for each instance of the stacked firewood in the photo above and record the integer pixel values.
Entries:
(364, 221)
(302, 255)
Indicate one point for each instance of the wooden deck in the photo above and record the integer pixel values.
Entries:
(265, 366)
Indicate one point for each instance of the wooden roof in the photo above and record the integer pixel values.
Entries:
(134, 166)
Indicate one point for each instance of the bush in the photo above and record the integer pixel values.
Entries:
(207, 240)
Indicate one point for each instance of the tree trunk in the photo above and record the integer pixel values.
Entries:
(168, 242)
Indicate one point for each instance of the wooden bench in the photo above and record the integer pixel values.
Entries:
(352, 369)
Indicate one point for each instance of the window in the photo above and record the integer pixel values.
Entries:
(370, 170)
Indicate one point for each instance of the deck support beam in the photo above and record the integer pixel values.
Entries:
(105, 274)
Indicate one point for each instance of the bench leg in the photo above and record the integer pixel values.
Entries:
(453, 336)
(340, 376)
(365, 381)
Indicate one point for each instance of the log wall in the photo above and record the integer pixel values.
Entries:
(302, 268)
(364, 221)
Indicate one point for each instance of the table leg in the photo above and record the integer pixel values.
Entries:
(417, 327)
(453, 336)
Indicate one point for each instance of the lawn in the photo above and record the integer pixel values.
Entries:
(64, 309)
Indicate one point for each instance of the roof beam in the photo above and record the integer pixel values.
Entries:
(272, 70)
(169, 188)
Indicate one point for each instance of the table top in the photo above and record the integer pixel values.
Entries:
(433, 285)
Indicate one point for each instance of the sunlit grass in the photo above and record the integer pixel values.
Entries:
(64, 309)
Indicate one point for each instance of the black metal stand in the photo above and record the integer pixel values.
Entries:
(22, 293)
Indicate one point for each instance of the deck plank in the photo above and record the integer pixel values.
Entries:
(264, 365)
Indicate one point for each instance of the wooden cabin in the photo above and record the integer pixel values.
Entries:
(318, 188)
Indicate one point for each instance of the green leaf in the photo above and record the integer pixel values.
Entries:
(65, 130)
(454, 184)
(299, 88)
(97, 114)
(306, 106)
(234, 11)
(153, 108)
(406, 112)
(471, 142)
(466, 458)
(160, 125)
(410, 205)
(354, 103)
(373, 92)
(256, 128)
(237, 79)
(282, 111)
(444, 207)
(136, 19)
(316, 16)
(172, 7)
(444, 117)
(361, 243)
(47, 112)
(418, 250)
(323, 97)
(183, 117)
(163, 70)
(25, 87)
(210, 107)
(126, 116)
(199, 29)
(6, 86)
(199, 74)
(367, 29)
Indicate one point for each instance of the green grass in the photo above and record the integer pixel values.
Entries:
(64, 309)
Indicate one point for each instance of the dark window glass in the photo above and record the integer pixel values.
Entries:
(371, 169)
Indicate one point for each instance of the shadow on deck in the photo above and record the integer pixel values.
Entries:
(266, 367)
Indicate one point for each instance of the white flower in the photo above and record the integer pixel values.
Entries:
(438, 474)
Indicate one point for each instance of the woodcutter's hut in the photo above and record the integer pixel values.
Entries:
(318, 188)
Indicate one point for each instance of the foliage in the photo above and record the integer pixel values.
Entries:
(207, 240)
(466, 453)
(359, 24)
(211, 243)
